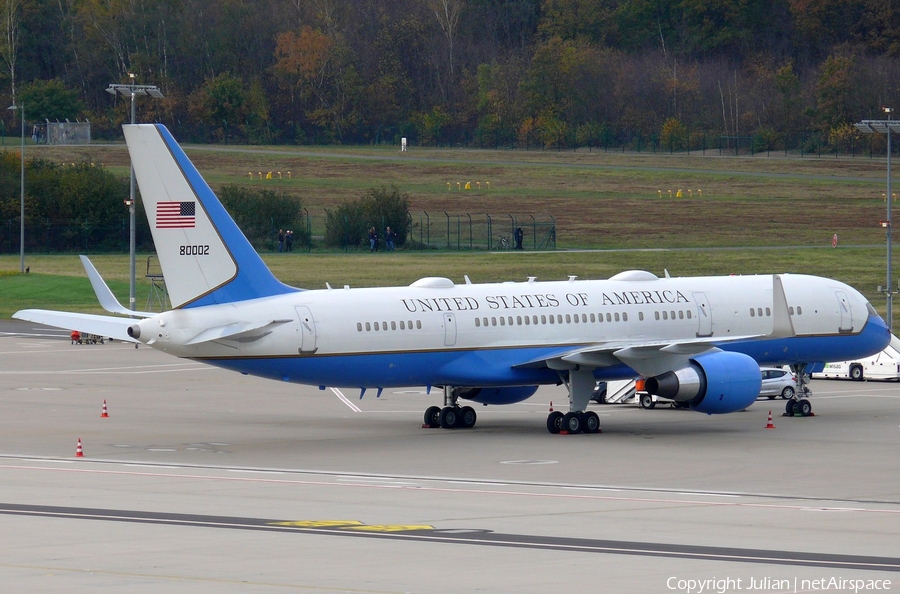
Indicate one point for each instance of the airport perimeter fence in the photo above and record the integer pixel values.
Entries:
(424, 231)
(685, 139)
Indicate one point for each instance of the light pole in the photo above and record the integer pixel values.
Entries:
(885, 127)
(21, 109)
(132, 90)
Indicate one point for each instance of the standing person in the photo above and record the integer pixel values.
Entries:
(389, 239)
(519, 235)
(280, 240)
(289, 238)
(373, 239)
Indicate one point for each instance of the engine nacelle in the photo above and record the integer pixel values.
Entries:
(713, 383)
(504, 395)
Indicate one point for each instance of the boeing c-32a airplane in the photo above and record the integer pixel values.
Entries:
(697, 341)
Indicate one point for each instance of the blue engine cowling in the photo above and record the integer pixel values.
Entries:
(504, 395)
(713, 383)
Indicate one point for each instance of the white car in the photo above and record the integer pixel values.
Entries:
(777, 381)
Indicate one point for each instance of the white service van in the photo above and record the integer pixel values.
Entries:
(884, 365)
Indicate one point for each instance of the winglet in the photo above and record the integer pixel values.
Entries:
(106, 298)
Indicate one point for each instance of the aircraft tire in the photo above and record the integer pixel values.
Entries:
(449, 417)
(467, 417)
(554, 422)
(591, 422)
(789, 408)
(804, 407)
(433, 416)
(572, 422)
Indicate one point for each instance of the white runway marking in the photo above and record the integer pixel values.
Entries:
(344, 399)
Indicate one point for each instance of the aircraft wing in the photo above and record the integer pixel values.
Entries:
(110, 326)
(648, 358)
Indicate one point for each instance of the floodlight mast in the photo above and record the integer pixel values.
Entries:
(21, 108)
(132, 90)
(885, 127)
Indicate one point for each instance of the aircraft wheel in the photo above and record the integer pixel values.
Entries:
(433, 416)
(789, 408)
(554, 422)
(591, 422)
(804, 407)
(572, 422)
(467, 417)
(449, 417)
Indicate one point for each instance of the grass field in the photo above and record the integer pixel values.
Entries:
(755, 214)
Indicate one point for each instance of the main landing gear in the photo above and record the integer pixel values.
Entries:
(799, 405)
(452, 415)
(580, 383)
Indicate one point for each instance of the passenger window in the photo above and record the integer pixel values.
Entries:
(791, 310)
(640, 316)
(543, 319)
(527, 320)
(689, 314)
(759, 311)
(609, 317)
(768, 312)
(509, 320)
(477, 322)
(681, 315)
(403, 324)
(624, 317)
(368, 327)
(419, 324)
(568, 319)
(502, 321)
(665, 316)
(552, 320)
(393, 325)
(593, 319)
(656, 315)
(358, 327)
(752, 313)
(799, 310)
(493, 321)
(617, 316)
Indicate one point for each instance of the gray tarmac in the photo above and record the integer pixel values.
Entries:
(206, 480)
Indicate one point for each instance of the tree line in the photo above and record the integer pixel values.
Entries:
(523, 73)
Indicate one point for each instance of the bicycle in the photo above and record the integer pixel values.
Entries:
(502, 243)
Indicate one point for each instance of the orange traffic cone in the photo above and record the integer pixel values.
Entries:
(770, 425)
(104, 414)
(551, 406)
(79, 453)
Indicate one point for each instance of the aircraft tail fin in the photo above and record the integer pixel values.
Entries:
(204, 256)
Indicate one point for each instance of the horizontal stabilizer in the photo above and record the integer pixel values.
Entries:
(106, 298)
(109, 326)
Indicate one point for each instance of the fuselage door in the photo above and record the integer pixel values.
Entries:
(704, 315)
(449, 329)
(846, 313)
(307, 330)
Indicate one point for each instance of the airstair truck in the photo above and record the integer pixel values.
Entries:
(884, 365)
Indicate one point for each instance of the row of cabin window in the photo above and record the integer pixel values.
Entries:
(575, 318)
(759, 311)
(403, 325)
(549, 319)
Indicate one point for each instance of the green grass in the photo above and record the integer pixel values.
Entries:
(59, 282)
(749, 205)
